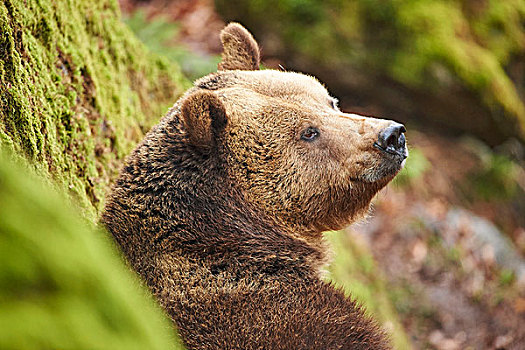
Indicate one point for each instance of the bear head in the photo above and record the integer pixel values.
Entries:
(285, 144)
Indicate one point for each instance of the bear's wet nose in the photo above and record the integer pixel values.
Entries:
(392, 140)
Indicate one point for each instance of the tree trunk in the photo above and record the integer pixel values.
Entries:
(77, 91)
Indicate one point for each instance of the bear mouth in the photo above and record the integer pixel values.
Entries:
(398, 153)
(392, 161)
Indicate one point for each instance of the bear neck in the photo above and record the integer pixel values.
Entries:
(182, 205)
(226, 226)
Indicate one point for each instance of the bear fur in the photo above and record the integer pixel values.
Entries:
(222, 206)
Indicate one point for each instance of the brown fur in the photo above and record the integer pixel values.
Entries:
(221, 208)
(240, 49)
(204, 116)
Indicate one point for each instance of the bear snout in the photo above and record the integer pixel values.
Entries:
(391, 140)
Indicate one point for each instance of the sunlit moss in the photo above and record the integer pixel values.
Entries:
(62, 283)
(77, 91)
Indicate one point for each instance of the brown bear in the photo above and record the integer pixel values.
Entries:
(221, 208)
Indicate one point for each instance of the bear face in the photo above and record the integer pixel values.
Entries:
(286, 145)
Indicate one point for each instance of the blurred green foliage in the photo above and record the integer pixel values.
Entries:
(416, 165)
(63, 284)
(405, 297)
(506, 277)
(497, 179)
(158, 34)
(496, 176)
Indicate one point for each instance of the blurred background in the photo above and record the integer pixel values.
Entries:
(440, 262)
(441, 259)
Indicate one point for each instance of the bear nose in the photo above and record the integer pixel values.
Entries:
(392, 140)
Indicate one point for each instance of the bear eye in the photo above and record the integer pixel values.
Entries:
(310, 134)
(334, 103)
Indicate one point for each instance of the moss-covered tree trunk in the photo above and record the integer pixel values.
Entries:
(77, 91)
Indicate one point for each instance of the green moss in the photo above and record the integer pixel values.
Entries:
(354, 269)
(77, 91)
(62, 283)
(444, 32)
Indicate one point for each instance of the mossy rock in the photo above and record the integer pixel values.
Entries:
(63, 284)
(77, 91)
(454, 64)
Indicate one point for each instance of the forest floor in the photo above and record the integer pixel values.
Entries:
(455, 279)
(448, 234)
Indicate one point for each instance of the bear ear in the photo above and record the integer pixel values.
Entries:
(204, 117)
(240, 50)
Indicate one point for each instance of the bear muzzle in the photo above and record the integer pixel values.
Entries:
(392, 141)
